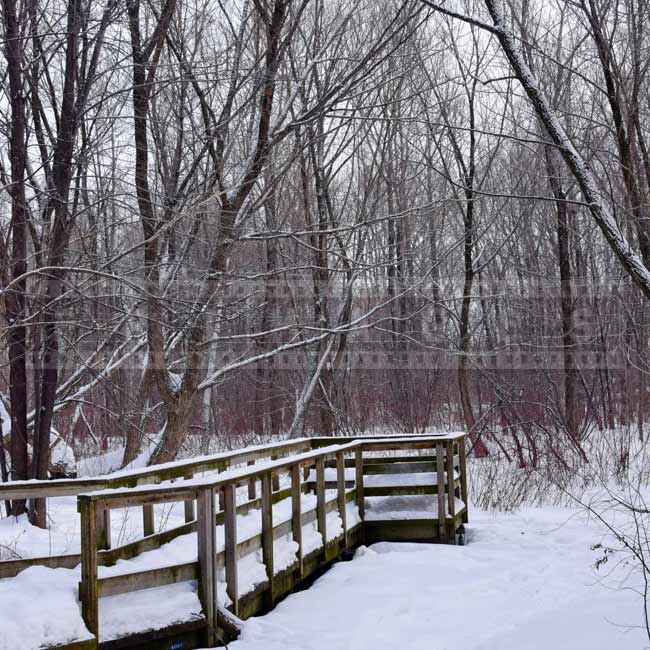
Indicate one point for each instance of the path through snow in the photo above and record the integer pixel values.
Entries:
(525, 582)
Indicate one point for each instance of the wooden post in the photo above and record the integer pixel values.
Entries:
(296, 513)
(451, 492)
(103, 529)
(320, 499)
(230, 525)
(190, 514)
(207, 562)
(358, 458)
(276, 477)
(252, 485)
(148, 525)
(462, 462)
(442, 511)
(89, 592)
(340, 485)
(267, 534)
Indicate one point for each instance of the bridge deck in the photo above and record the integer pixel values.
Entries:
(256, 532)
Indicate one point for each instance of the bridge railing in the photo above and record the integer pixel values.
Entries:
(206, 492)
(183, 469)
(319, 470)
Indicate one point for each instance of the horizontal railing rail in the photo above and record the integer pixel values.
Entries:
(36, 489)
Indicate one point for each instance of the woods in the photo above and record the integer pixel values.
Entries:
(222, 220)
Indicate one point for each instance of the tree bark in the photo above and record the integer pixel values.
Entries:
(16, 298)
(567, 303)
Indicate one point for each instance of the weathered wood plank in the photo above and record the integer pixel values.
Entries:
(252, 485)
(440, 463)
(207, 565)
(451, 495)
(219, 462)
(267, 533)
(359, 465)
(133, 549)
(400, 490)
(462, 465)
(190, 513)
(86, 644)
(320, 498)
(129, 497)
(406, 530)
(123, 584)
(189, 634)
(155, 474)
(275, 475)
(103, 529)
(411, 467)
(341, 501)
(383, 459)
(148, 522)
(393, 438)
(296, 513)
(122, 498)
(11, 568)
(89, 591)
(231, 550)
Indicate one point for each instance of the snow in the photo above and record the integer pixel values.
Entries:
(111, 461)
(524, 582)
(47, 598)
(158, 608)
(39, 608)
(20, 539)
(406, 507)
(62, 456)
(5, 427)
(403, 480)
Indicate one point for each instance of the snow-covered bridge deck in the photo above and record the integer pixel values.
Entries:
(286, 514)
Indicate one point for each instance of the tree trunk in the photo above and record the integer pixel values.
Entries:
(16, 298)
(567, 306)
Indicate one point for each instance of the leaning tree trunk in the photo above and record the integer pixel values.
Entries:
(576, 163)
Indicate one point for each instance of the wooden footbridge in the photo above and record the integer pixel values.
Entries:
(392, 488)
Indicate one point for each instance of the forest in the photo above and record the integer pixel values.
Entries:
(224, 221)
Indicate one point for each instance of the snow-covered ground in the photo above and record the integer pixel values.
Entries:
(525, 581)
(39, 606)
(19, 539)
